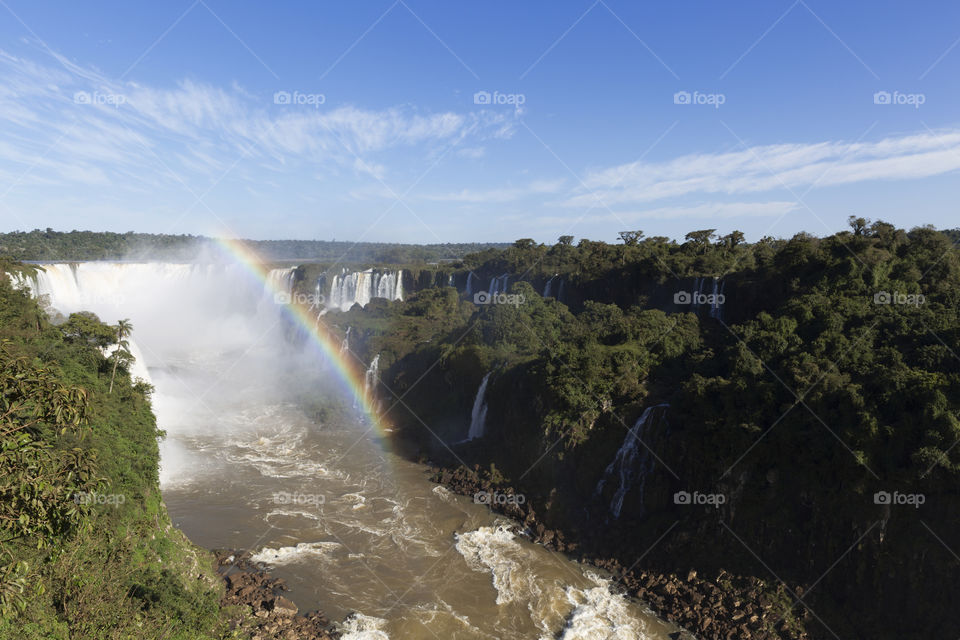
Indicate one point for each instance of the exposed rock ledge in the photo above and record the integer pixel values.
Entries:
(271, 615)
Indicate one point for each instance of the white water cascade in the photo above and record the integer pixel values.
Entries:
(716, 304)
(345, 344)
(499, 284)
(547, 287)
(469, 289)
(371, 378)
(633, 462)
(478, 417)
(359, 287)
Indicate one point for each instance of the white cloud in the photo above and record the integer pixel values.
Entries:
(703, 211)
(130, 135)
(506, 194)
(773, 167)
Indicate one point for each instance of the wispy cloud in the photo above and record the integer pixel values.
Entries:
(773, 167)
(702, 211)
(67, 125)
(506, 194)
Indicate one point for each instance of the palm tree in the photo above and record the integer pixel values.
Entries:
(124, 329)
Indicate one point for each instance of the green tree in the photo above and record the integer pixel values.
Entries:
(124, 329)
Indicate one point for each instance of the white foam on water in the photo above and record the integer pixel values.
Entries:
(292, 513)
(360, 627)
(299, 553)
(358, 501)
(599, 613)
(445, 494)
(494, 549)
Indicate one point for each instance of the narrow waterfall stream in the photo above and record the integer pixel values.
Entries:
(354, 529)
(478, 417)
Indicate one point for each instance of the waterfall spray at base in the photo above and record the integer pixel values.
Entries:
(633, 461)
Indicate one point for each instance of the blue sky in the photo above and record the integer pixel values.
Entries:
(362, 121)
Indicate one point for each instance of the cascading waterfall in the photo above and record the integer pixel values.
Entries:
(698, 293)
(478, 417)
(499, 284)
(469, 290)
(633, 462)
(371, 378)
(716, 308)
(281, 280)
(359, 287)
(345, 344)
(547, 287)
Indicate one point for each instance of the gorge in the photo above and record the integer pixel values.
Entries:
(352, 527)
(634, 407)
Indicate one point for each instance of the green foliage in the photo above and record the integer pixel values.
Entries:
(86, 547)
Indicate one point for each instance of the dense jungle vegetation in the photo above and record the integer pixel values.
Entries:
(830, 375)
(86, 547)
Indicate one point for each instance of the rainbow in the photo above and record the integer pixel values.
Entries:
(345, 366)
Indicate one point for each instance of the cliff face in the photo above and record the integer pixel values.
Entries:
(808, 434)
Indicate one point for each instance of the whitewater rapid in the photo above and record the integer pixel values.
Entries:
(353, 529)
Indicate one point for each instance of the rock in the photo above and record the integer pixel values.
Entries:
(282, 606)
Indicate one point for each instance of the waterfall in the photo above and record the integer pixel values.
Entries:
(478, 417)
(371, 378)
(716, 308)
(469, 290)
(345, 344)
(359, 287)
(632, 462)
(546, 287)
(281, 280)
(499, 284)
(697, 294)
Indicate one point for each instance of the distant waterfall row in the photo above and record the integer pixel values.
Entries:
(360, 287)
(633, 462)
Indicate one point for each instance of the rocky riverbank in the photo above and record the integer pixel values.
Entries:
(269, 615)
(719, 607)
